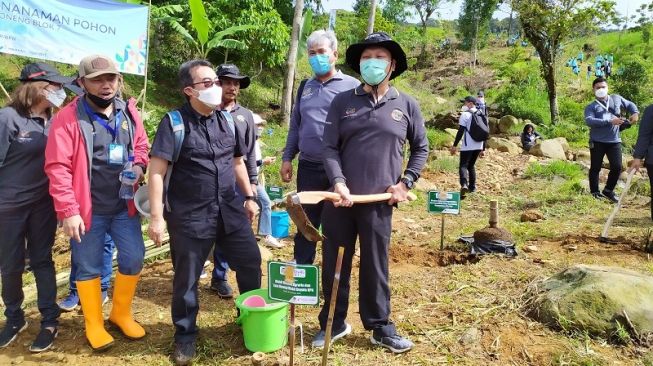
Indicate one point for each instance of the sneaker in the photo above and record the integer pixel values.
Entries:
(271, 241)
(10, 332)
(222, 288)
(610, 196)
(396, 343)
(105, 297)
(70, 302)
(184, 353)
(44, 340)
(597, 195)
(318, 340)
(463, 191)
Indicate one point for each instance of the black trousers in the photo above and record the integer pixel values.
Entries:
(188, 256)
(310, 177)
(372, 224)
(466, 168)
(649, 171)
(597, 151)
(34, 225)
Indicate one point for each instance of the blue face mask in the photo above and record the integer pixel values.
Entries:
(320, 64)
(373, 71)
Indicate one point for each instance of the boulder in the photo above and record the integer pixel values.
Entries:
(548, 149)
(563, 142)
(451, 131)
(503, 145)
(494, 125)
(624, 163)
(582, 155)
(507, 122)
(597, 300)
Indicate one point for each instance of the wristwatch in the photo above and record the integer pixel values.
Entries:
(250, 198)
(408, 182)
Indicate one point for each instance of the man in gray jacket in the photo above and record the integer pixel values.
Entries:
(644, 147)
(605, 120)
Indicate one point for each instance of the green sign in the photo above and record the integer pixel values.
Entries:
(444, 202)
(293, 283)
(275, 193)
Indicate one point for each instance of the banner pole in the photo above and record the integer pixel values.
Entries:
(5, 91)
(147, 57)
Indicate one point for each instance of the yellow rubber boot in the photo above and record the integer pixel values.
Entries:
(90, 296)
(121, 314)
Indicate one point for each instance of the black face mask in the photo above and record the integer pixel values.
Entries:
(100, 102)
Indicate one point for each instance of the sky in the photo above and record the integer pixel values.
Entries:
(450, 10)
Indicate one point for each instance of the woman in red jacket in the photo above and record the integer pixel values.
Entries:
(26, 210)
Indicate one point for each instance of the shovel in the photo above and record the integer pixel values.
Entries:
(604, 234)
(295, 200)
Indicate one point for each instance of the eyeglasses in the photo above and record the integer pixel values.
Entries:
(207, 82)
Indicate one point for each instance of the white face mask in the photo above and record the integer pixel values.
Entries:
(464, 108)
(211, 97)
(473, 109)
(601, 93)
(55, 97)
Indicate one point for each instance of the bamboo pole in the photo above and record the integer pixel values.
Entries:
(147, 58)
(5, 91)
(494, 213)
(332, 306)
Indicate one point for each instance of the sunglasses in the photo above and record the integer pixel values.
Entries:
(207, 83)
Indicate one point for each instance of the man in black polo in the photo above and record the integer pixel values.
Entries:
(202, 207)
(366, 129)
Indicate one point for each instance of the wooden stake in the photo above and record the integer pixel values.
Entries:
(292, 334)
(442, 234)
(5, 91)
(494, 213)
(332, 306)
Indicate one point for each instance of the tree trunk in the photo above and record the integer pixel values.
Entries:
(549, 73)
(370, 21)
(288, 84)
(510, 22)
(475, 46)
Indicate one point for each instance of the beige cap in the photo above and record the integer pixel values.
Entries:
(96, 65)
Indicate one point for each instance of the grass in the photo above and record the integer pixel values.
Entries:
(555, 168)
(445, 164)
(438, 138)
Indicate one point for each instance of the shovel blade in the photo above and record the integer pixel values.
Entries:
(298, 216)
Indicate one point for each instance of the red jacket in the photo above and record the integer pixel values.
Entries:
(67, 160)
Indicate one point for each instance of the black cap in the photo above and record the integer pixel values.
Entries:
(41, 71)
(377, 39)
(231, 71)
(469, 99)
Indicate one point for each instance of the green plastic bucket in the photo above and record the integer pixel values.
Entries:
(265, 329)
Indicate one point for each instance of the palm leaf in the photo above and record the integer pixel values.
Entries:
(181, 30)
(229, 43)
(231, 30)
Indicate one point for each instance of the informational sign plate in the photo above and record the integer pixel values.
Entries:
(293, 283)
(275, 193)
(444, 202)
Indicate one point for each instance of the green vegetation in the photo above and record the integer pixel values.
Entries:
(556, 168)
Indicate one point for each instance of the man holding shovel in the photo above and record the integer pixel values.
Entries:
(366, 129)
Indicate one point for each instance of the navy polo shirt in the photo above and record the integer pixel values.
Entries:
(244, 120)
(105, 177)
(364, 142)
(201, 189)
(22, 158)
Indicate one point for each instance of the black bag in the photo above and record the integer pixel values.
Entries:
(479, 128)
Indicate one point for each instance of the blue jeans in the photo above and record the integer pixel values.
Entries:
(265, 217)
(88, 255)
(107, 269)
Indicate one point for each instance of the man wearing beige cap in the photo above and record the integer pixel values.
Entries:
(96, 153)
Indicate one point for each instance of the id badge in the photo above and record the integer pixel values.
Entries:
(116, 154)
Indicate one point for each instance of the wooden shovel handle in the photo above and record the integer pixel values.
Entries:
(378, 197)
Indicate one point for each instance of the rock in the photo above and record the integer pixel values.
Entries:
(532, 159)
(531, 216)
(503, 145)
(451, 131)
(507, 122)
(549, 149)
(582, 155)
(563, 142)
(624, 163)
(494, 125)
(471, 337)
(593, 299)
(531, 249)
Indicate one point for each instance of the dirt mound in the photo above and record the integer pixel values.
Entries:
(492, 233)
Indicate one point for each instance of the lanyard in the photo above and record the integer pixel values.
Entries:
(101, 121)
(605, 106)
(230, 121)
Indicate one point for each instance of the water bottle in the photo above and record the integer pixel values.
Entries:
(128, 179)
